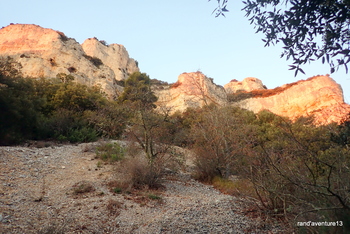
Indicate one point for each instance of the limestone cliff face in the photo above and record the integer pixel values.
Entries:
(114, 56)
(320, 96)
(42, 52)
(247, 84)
(191, 90)
(39, 52)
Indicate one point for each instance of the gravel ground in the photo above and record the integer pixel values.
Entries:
(38, 194)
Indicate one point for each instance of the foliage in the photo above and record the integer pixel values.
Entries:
(83, 187)
(137, 91)
(94, 60)
(110, 151)
(308, 29)
(149, 131)
(51, 109)
(20, 110)
(297, 171)
(141, 174)
(301, 172)
(221, 140)
(109, 120)
(64, 77)
(239, 96)
(9, 67)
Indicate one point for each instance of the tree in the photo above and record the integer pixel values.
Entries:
(137, 91)
(147, 130)
(20, 109)
(309, 29)
(222, 140)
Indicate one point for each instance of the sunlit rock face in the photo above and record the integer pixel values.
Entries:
(192, 90)
(41, 52)
(319, 96)
(114, 56)
(248, 84)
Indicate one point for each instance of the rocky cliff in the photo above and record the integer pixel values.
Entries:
(247, 85)
(40, 52)
(190, 91)
(319, 96)
(33, 51)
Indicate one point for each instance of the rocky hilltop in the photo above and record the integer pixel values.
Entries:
(248, 84)
(319, 96)
(40, 52)
(33, 51)
(192, 90)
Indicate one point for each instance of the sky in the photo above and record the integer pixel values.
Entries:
(170, 37)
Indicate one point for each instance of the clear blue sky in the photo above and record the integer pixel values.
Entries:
(170, 37)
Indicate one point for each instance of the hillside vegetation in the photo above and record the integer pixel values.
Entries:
(294, 171)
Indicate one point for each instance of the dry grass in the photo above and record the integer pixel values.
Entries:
(263, 93)
(83, 187)
(236, 187)
(114, 207)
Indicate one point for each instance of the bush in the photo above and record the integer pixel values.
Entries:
(20, 110)
(52, 109)
(94, 60)
(142, 175)
(110, 151)
(222, 139)
(83, 187)
(84, 134)
(239, 96)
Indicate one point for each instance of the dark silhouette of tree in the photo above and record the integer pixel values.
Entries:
(309, 29)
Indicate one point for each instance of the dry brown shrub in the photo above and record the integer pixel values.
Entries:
(83, 187)
(114, 207)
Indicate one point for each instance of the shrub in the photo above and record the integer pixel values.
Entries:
(141, 174)
(154, 197)
(114, 207)
(20, 110)
(222, 139)
(110, 152)
(239, 96)
(83, 187)
(94, 60)
(83, 134)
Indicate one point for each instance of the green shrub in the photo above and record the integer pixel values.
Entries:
(110, 152)
(117, 190)
(154, 197)
(84, 134)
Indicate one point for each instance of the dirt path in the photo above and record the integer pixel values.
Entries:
(39, 192)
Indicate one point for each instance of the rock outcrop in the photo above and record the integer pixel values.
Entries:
(319, 96)
(115, 56)
(248, 84)
(33, 51)
(40, 52)
(190, 91)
